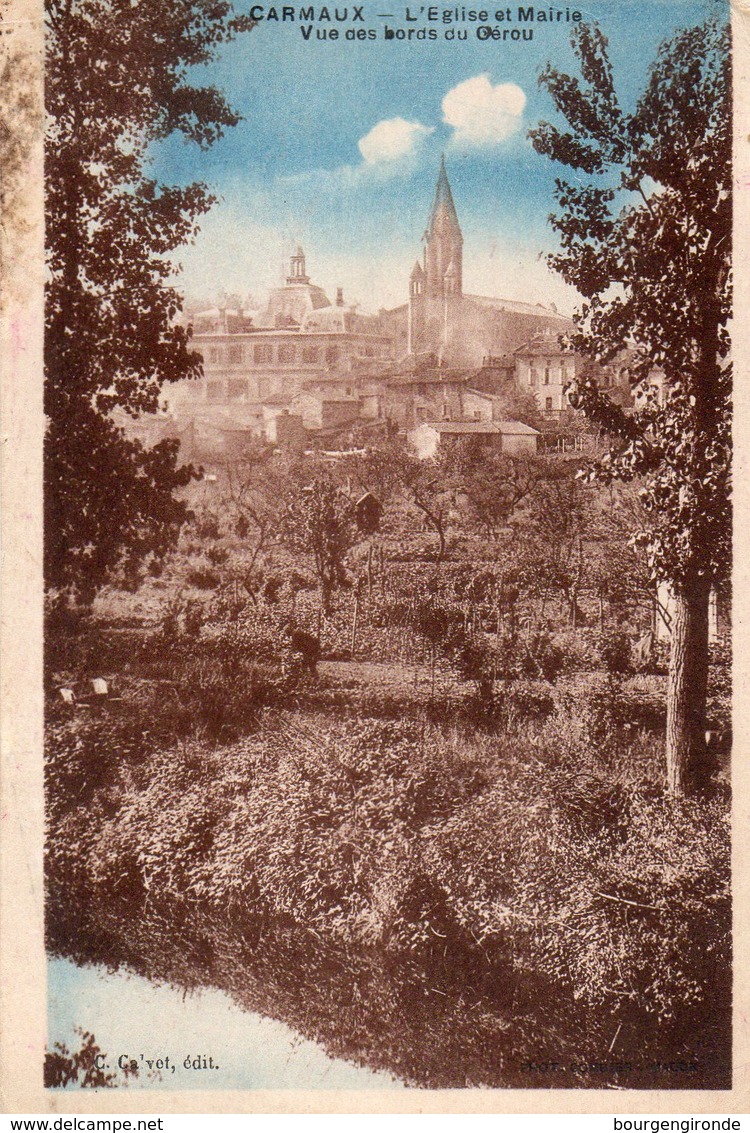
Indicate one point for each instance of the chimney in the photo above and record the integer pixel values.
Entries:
(339, 297)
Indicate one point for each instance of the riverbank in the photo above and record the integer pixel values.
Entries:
(452, 906)
(205, 1038)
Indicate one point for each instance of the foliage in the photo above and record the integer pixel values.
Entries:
(393, 472)
(115, 83)
(63, 1067)
(319, 521)
(669, 257)
(258, 487)
(615, 651)
(646, 238)
(493, 484)
(497, 869)
(203, 578)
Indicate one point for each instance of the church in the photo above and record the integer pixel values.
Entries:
(441, 320)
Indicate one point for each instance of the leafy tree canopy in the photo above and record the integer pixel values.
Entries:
(320, 521)
(646, 238)
(118, 80)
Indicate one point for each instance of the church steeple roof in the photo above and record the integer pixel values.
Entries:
(443, 202)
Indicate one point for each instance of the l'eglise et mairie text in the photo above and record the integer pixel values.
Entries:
(416, 13)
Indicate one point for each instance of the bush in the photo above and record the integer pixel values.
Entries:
(491, 867)
(615, 650)
(203, 578)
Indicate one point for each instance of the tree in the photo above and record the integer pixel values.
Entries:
(393, 470)
(320, 521)
(646, 238)
(257, 488)
(493, 484)
(116, 82)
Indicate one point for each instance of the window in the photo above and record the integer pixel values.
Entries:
(548, 404)
(532, 377)
(214, 355)
(236, 388)
(332, 355)
(263, 353)
(546, 375)
(215, 391)
(235, 355)
(310, 354)
(287, 353)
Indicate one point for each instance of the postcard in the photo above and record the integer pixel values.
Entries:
(369, 700)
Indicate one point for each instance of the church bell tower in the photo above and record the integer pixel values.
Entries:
(443, 243)
(436, 288)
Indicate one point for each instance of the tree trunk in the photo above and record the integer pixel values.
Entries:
(355, 621)
(687, 764)
(369, 568)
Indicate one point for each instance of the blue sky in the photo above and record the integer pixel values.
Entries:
(340, 145)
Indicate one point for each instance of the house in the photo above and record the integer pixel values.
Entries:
(512, 438)
(544, 368)
(286, 430)
(326, 411)
(423, 393)
(476, 405)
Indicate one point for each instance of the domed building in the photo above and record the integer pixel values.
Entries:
(257, 365)
(303, 363)
(290, 305)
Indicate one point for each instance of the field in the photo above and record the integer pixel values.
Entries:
(443, 846)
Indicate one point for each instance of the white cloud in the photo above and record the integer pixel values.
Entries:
(391, 139)
(482, 114)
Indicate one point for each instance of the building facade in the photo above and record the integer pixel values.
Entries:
(298, 342)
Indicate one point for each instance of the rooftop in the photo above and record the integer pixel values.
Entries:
(545, 344)
(429, 377)
(520, 308)
(443, 202)
(507, 428)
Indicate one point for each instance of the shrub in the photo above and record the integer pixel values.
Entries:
(532, 869)
(80, 1068)
(217, 556)
(615, 651)
(203, 578)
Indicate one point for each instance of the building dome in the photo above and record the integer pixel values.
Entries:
(329, 319)
(288, 305)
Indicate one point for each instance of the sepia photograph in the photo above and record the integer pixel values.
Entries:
(387, 544)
